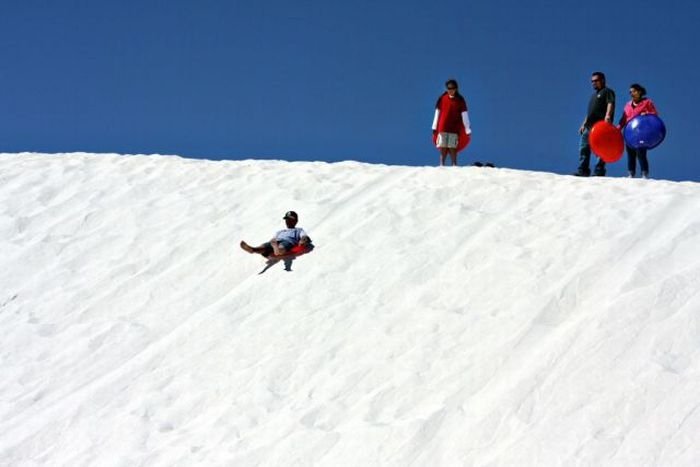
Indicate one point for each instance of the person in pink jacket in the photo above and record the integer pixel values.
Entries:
(638, 105)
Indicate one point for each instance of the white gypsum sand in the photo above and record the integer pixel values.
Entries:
(448, 316)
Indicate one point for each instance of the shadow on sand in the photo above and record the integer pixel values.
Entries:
(272, 262)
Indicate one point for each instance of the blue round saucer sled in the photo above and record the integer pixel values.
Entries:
(644, 132)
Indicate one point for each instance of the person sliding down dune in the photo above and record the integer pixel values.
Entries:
(290, 241)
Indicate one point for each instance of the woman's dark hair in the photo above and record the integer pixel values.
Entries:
(639, 88)
(451, 82)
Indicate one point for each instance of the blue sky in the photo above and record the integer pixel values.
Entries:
(311, 80)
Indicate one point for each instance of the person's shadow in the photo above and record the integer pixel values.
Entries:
(273, 261)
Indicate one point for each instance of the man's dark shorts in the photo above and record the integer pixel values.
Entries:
(282, 244)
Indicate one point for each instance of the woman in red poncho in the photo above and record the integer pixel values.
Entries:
(451, 129)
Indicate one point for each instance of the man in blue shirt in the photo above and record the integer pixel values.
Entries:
(284, 240)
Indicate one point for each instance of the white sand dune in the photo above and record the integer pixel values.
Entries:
(448, 316)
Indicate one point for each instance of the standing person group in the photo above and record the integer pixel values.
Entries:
(452, 129)
(602, 107)
(451, 122)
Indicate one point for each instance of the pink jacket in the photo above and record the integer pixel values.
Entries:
(645, 106)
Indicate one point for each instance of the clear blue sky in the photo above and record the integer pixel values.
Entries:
(327, 80)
